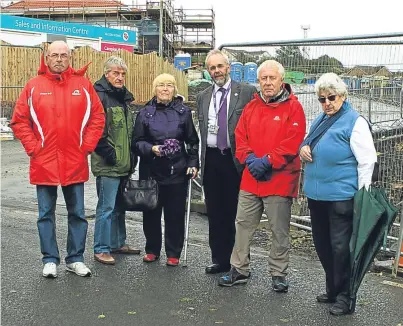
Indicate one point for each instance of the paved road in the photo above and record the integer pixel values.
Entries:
(135, 293)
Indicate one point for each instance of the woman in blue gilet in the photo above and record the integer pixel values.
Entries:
(340, 157)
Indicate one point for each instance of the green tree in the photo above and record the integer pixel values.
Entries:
(290, 56)
(325, 64)
(264, 58)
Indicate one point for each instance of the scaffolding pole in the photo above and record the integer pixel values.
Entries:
(161, 30)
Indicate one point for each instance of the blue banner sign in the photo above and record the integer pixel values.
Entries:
(68, 29)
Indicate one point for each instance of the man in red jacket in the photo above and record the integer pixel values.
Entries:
(268, 135)
(59, 120)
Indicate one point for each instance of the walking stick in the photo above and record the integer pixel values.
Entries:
(184, 264)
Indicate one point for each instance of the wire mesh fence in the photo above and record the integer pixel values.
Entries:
(372, 68)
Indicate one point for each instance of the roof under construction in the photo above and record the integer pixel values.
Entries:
(191, 31)
(62, 4)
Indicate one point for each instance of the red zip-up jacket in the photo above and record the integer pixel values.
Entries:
(59, 119)
(277, 130)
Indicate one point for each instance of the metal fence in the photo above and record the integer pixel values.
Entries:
(372, 68)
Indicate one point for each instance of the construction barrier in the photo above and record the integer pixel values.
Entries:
(372, 68)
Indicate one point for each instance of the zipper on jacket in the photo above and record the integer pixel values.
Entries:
(126, 112)
(315, 176)
(172, 169)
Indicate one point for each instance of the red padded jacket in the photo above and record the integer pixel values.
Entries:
(274, 129)
(59, 120)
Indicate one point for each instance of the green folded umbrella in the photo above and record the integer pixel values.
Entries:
(373, 217)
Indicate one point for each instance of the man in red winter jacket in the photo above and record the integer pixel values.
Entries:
(268, 135)
(59, 120)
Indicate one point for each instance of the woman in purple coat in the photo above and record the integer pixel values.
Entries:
(168, 145)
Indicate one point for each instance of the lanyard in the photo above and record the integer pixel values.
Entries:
(223, 97)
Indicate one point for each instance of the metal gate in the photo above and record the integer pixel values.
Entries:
(372, 68)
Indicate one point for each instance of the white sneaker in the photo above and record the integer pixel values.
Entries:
(79, 268)
(49, 270)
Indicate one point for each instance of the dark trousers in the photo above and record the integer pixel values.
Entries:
(332, 224)
(221, 187)
(171, 198)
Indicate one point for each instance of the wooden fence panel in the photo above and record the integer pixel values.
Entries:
(142, 69)
(19, 64)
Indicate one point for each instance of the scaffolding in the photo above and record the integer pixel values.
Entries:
(190, 31)
(196, 32)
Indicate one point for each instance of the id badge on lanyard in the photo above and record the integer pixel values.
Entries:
(213, 128)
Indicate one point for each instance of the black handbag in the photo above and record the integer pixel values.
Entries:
(139, 195)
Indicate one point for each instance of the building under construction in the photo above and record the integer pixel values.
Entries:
(182, 31)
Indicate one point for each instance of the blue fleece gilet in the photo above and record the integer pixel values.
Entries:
(333, 176)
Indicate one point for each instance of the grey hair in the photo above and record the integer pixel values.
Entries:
(114, 61)
(214, 52)
(272, 63)
(330, 81)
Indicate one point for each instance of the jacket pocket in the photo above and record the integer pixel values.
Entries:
(118, 151)
(117, 122)
(180, 165)
(37, 150)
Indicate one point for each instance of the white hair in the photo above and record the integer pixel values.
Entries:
(271, 64)
(330, 81)
(114, 61)
(214, 52)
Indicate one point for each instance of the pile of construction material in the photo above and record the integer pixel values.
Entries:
(5, 131)
(196, 86)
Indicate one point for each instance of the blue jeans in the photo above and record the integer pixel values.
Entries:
(77, 223)
(110, 219)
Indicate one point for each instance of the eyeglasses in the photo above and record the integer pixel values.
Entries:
(331, 98)
(166, 85)
(57, 55)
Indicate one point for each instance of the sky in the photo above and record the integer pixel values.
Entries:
(261, 20)
(238, 21)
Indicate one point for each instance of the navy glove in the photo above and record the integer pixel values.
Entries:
(251, 157)
(260, 168)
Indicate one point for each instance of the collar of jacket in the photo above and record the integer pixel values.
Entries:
(282, 96)
(44, 70)
(123, 94)
(59, 77)
(175, 104)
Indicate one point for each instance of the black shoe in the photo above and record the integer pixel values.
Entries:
(325, 298)
(233, 277)
(217, 268)
(279, 284)
(340, 308)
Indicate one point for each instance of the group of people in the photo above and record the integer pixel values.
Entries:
(251, 145)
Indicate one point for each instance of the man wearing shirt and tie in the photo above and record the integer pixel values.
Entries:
(219, 108)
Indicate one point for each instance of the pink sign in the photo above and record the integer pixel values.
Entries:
(110, 47)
